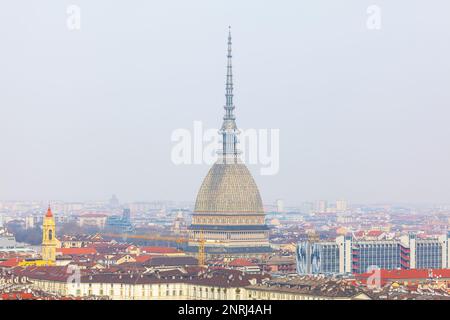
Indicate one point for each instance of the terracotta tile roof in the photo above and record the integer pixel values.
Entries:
(13, 262)
(16, 296)
(76, 251)
(142, 258)
(241, 262)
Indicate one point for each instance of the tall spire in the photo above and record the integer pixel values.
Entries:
(229, 130)
(229, 84)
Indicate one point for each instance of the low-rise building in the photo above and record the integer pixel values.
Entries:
(348, 254)
(175, 284)
(305, 288)
(97, 220)
(244, 265)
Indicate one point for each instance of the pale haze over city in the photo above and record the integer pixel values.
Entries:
(363, 115)
(230, 158)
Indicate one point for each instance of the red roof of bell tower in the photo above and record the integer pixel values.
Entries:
(49, 213)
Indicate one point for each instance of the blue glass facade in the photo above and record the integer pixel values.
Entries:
(428, 255)
(347, 255)
(317, 258)
(382, 255)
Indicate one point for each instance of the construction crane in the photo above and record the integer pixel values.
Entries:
(201, 242)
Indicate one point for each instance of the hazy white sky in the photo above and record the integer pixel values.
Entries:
(363, 114)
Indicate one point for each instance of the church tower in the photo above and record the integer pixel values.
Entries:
(49, 241)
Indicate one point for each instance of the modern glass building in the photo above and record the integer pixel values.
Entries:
(315, 258)
(367, 255)
(348, 255)
(323, 257)
(429, 253)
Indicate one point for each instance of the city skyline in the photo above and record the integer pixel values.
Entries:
(244, 152)
(89, 113)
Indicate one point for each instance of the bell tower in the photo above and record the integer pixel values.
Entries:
(49, 241)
